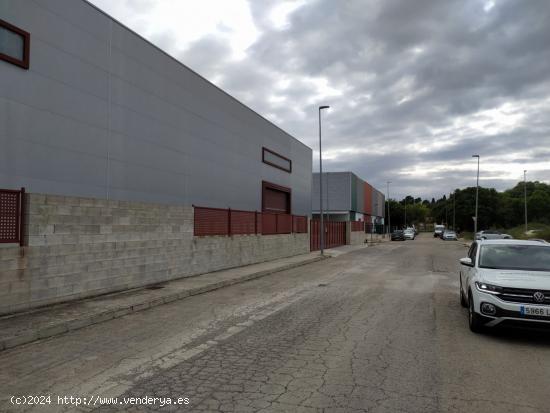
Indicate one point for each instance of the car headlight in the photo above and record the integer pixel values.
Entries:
(488, 288)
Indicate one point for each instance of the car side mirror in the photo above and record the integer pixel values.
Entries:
(467, 261)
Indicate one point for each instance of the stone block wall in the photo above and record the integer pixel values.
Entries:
(357, 237)
(81, 247)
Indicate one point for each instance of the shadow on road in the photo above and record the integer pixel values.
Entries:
(521, 335)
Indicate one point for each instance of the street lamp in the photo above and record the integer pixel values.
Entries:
(477, 193)
(389, 215)
(525, 195)
(454, 210)
(322, 227)
(405, 212)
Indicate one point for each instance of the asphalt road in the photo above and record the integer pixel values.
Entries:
(378, 330)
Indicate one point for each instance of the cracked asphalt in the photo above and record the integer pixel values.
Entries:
(376, 330)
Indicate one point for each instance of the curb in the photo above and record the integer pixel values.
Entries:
(76, 324)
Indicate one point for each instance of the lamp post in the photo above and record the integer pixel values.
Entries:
(446, 215)
(454, 210)
(477, 193)
(525, 196)
(389, 215)
(322, 226)
(405, 212)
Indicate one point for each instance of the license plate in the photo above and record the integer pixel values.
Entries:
(538, 311)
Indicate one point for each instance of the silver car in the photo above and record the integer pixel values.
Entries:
(491, 234)
(409, 234)
(449, 236)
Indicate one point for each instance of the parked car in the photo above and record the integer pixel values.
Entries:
(438, 230)
(398, 235)
(491, 234)
(409, 233)
(503, 281)
(449, 235)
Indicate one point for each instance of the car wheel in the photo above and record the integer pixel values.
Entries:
(474, 320)
(463, 302)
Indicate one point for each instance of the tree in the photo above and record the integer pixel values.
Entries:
(496, 209)
(538, 206)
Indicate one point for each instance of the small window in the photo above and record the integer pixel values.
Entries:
(14, 45)
(278, 161)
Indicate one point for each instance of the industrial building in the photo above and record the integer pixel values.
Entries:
(118, 145)
(346, 197)
(97, 111)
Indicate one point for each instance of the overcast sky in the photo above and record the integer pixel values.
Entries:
(415, 87)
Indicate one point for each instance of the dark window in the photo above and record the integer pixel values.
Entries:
(473, 252)
(515, 257)
(14, 45)
(275, 198)
(278, 161)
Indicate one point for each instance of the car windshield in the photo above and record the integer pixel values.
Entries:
(515, 257)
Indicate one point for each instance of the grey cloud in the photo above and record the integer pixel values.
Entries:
(404, 72)
(207, 55)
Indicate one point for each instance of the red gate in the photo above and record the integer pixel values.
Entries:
(335, 234)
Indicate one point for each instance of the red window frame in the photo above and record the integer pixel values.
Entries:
(264, 150)
(26, 46)
(269, 185)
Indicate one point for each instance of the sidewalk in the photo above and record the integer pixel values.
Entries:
(344, 249)
(22, 328)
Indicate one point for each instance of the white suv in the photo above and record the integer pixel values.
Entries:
(506, 281)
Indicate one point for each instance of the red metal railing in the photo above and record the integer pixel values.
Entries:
(211, 221)
(335, 234)
(276, 223)
(11, 215)
(357, 225)
(242, 222)
(299, 224)
(217, 221)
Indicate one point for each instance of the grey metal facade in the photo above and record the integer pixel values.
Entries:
(336, 192)
(103, 113)
(344, 193)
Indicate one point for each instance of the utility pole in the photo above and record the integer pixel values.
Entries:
(525, 196)
(446, 219)
(454, 210)
(389, 215)
(477, 194)
(405, 212)
(322, 226)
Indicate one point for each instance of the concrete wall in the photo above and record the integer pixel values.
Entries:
(103, 113)
(80, 247)
(357, 237)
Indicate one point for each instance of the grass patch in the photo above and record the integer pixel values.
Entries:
(468, 236)
(536, 230)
